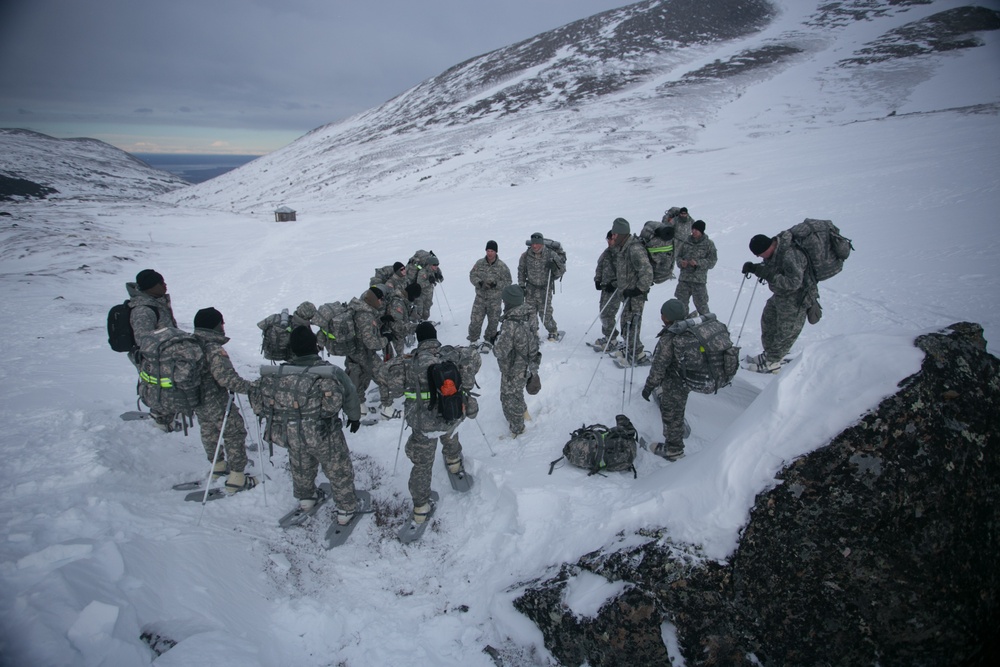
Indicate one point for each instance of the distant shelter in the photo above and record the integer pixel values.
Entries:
(284, 214)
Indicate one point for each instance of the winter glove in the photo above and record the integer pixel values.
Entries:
(551, 265)
(534, 384)
(354, 425)
(632, 292)
(612, 286)
(493, 285)
(480, 284)
(646, 392)
(749, 268)
(598, 285)
(388, 335)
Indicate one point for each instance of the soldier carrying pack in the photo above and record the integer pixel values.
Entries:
(171, 365)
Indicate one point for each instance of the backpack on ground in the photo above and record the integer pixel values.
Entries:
(597, 448)
(450, 380)
(286, 396)
(658, 237)
(276, 335)
(823, 244)
(557, 248)
(171, 365)
(712, 364)
(336, 328)
(121, 337)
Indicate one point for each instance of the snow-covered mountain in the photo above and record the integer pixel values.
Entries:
(76, 168)
(623, 86)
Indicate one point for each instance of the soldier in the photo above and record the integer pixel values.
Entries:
(397, 322)
(537, 271)
(313, 443)
(665, 374)
(365, 362)
(151, 310)
(517, 355)
(794, 291)
(681, 221)
(490, 276)
(395, 274)
(606, 282)
(408, 376)
(424, 269)
(634, 278)
(218, 380)
(697, 256)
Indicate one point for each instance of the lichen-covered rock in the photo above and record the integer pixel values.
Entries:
(880, 548)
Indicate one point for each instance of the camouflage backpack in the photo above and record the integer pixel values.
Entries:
(289, 395)
(658, 237)
(557, 248)
(597, 448)
(823, 244)
(276, 335)
(171, 365)
(336, 327)
(712, 363)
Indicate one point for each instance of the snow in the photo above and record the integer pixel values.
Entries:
(96, 548)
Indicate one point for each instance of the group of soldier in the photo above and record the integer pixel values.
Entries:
(395, 309)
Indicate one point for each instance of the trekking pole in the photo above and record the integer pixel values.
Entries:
(635, 356)
(601, 358)
(738, 292)
(446, 302)
(488, 445)
(545, 308)
(584, 337)
(625, 368)
(402, 425)
(260, 447)
(747, 314)
(211, 469)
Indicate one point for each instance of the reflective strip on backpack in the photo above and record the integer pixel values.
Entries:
(166, 383)
(662, 248)
(326, 333)
(424, 395)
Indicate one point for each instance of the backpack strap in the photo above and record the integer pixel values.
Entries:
(552, 465)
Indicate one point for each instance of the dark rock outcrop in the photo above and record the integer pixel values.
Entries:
(880, 548)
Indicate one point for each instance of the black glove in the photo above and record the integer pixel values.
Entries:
(551, 265)
(632, 292)
(749, 268)
(388, 335)
(612, 286)
(598, 285)
(493, 285)
(480, 284)
(354, 425)
(646, 392)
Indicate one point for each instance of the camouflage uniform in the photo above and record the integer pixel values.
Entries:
(606, 277)
(537, 271)
(397, 317)
(365, 363)
(147, 314)
(320, 442)
(665, 373)
(693, 280)
(681, 222)
(408, 376)
(517, 355)
(218, 380)
(787, 276)
(489, 281)
(634, 273)
(426, 275)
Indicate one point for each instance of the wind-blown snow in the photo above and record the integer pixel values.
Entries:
(96, 548)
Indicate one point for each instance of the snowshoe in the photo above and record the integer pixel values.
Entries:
(338, 532)
(299, 516)
(411, 531)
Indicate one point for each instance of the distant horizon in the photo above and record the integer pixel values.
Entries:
(195, 167)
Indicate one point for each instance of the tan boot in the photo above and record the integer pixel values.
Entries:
(420, 513)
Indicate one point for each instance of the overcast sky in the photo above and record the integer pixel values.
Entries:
(238, 76)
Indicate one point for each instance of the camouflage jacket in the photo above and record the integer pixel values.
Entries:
(540, 269)
(633, 268)
(489, 279)
(351, 402)
(671, 348)
(148, 313)
(607, 270)
(219, 377)
(367, 325)
(786, 271)
(516, 346)
(701, 250)
(425, 275)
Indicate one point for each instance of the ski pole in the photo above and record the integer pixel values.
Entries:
(747, 313)
(545, 308)
(738, 292)
(488, 445)
(598, 365)
(446, 302)
(260, 448)
(635, 354)
(218, 446)
(625, 368)
(402, 425)
(584, 337)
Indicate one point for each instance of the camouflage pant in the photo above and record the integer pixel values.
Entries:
(512, 400)
(673, 402)
(780, 325)
(698, 291)
(543, 307)
(631, 324)
(360, 368)
(485, 309)
(210, 415)
(420, 450)
(422, 304)
(315, 443)
(610, 303)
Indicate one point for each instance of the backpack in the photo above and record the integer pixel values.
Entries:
(171, 365)
(658, 237)
(597, 448)
(557, 248)
(448, 394)
(276, 336)
(336, 328)
(121, 337)
(711, 365)
(823, 244)
(287, 394)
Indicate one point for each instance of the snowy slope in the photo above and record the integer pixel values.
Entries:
(96, 548)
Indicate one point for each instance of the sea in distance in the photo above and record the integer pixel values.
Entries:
(193, 167)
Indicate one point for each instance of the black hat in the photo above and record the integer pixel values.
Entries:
(302, 342)
(413, 291)
(377, 291)
(397, 266)
(426, 330)
(147, 279)
(699, 225)
(682, 210)
(609, 234)
(491, 245)
(207, 318)
(759, 244)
